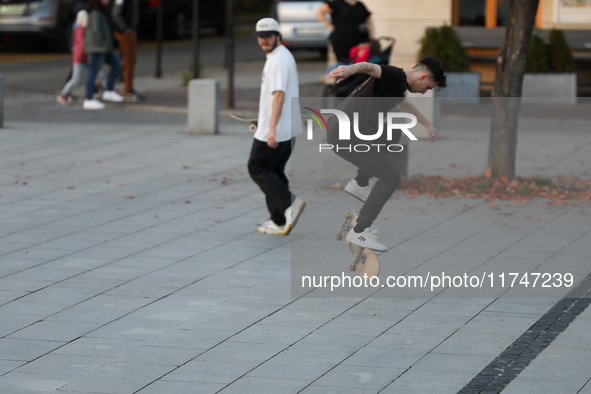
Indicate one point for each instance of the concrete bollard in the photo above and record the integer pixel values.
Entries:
(1, 101)
(203, 106)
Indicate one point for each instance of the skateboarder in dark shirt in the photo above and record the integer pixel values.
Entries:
(384, 90)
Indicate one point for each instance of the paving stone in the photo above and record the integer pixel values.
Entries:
(220, 372)
(8, 365)
(169, 386)
(63, 364)
(98, 347)
(26, 349)
(253, 384)
(17, 382)
(103, 386)
(158, 355)
(53, 331)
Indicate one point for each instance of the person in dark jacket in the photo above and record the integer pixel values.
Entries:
(125, 18)
(98, 43)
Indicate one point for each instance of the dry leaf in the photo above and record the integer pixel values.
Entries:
(536, 220)
(453, 165)
(488, 173)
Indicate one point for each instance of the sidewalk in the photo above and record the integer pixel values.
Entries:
(130, 263)
(167, 95)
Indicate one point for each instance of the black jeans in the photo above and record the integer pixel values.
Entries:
(373, 163)
(266, 167)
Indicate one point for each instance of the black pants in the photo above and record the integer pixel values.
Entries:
(370, 164)
(266, 167)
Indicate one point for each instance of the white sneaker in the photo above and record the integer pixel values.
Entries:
(359, 192)
(270, 227)
(111, 95)
(292, 213)
(93, 104)
(366, 239)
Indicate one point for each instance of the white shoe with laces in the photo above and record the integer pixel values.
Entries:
(366, 239)
(292, 213)
(113, 96)
(359, 192)
(93, 104)
(269, 227)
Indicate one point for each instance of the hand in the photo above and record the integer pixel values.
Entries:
(271, 141)
(341, 72)
(433, 134)
(331, 28)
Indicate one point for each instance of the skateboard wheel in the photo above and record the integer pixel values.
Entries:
(252, 128)
(348, 216)
(338, 237)
(352, 267)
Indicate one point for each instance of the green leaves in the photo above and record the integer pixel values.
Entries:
(445, 44)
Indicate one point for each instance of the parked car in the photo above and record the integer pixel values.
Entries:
(177, 16)
(298, 24)
(46, 21)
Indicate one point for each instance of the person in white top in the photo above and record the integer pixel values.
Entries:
(276, 133)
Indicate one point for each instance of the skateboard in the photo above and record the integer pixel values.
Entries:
(363, 258)
(253, 121)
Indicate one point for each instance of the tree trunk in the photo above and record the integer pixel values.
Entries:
(507, 90)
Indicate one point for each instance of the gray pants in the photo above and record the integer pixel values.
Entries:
(77, 72)
(76, 78)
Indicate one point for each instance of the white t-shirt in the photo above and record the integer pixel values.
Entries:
(280, 73)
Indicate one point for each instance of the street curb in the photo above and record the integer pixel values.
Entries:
(184, 111)
(157, 108)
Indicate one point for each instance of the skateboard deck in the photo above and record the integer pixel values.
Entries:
(253, 121)
(363, 258)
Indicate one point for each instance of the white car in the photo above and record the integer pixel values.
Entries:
(300, 29)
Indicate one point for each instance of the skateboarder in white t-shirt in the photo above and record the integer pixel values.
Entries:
(275, 135)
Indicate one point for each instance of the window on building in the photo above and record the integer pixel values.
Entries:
(472, 12)
(495, 13)
(573, 11)
(503, 10)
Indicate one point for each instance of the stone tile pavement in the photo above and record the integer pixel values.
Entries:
(130, 262)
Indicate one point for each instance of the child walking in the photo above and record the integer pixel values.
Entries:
(79, 60)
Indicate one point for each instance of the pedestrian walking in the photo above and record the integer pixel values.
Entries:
(351, 25)
(125, 16)
(79, 60)
(98, 43)
(275, 136)
(384, 90)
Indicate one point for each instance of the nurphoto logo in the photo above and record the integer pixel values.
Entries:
(394, 121)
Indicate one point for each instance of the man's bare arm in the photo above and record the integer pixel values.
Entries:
(276, 107)
(343, 72)
(407, 106)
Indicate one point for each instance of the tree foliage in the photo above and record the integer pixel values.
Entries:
(556, 57)
(561, 56)
(445, 44)
(538, 56)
